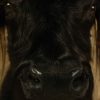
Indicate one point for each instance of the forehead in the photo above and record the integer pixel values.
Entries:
(15, 1)
(51, 1)
(57, 67)
(80, 3)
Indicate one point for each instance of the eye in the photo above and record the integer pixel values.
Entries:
(35, 78)
(8, 4)
(34, 81)
(79, 82)
(29, 76)
(93, 7)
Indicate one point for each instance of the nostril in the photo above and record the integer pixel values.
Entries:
(79, 82)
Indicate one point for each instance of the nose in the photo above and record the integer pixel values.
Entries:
(79, 83)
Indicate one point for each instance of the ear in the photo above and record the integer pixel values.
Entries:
(29, 78)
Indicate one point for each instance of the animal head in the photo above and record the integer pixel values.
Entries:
(49, 48)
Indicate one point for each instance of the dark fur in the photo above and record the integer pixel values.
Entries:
(53, 37)
(2, 17)
(98, 19)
